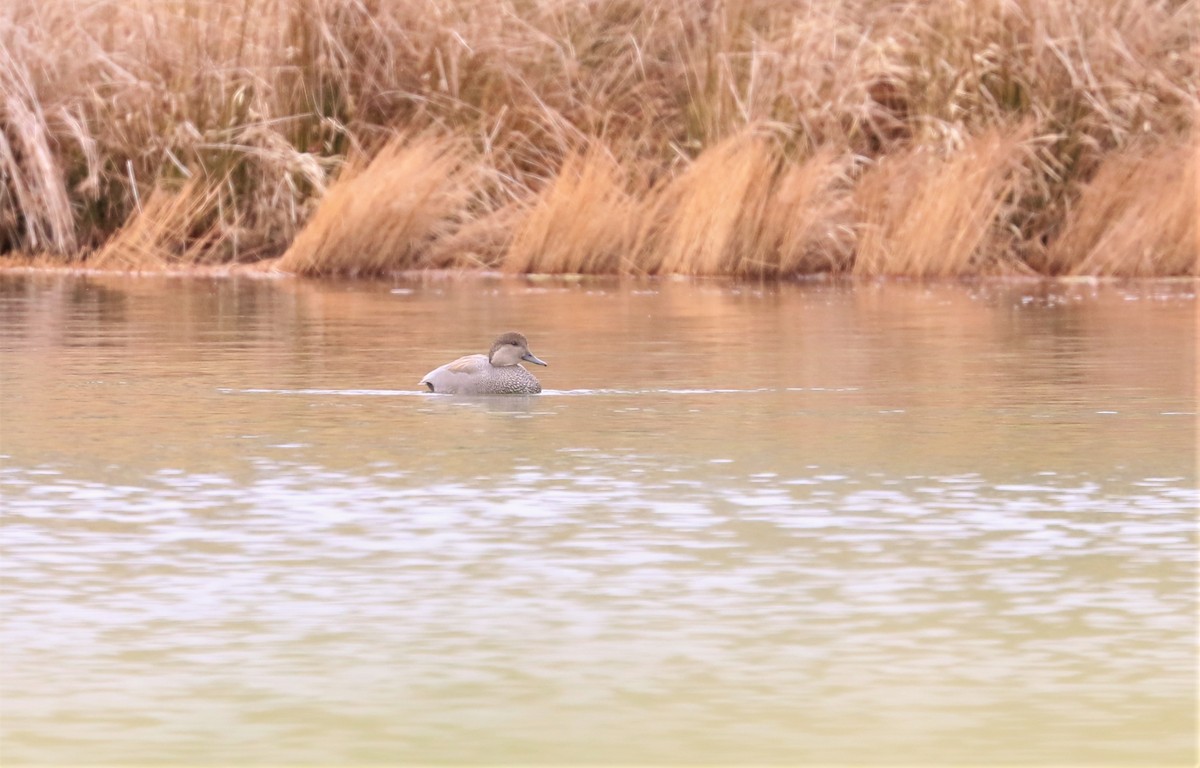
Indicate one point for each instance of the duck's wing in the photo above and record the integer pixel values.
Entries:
(452, 377)
(468, 364)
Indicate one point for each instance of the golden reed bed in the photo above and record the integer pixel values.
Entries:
(752, 138)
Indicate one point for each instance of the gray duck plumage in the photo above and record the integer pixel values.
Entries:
(499, 372)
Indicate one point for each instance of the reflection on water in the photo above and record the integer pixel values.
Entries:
(743, 525)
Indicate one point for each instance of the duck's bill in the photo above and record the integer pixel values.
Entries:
(529, 356)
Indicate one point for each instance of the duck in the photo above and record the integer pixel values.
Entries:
(499, 372)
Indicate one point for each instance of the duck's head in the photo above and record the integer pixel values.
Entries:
(510, 349)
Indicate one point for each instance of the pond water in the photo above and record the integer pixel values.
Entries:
(744, 524)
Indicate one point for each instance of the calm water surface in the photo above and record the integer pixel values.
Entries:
(827, 524)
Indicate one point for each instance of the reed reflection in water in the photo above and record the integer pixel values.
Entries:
(744, 524)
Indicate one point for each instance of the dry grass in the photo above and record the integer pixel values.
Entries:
(704, 221)
(386, 216)
(1136, 218)
(172, 228)
(35, 209)
(742, 209)
(793, 116)
(807, 226)
(926, 215)
(583, 222)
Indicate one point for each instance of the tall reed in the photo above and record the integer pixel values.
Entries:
(386, 216)
(743, 208)
(583, 221)
(170, 228)
(704, 221)
(925, 214)
(1137, 217)
(255, 108)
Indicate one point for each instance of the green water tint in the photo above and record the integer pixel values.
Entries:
(743, 525)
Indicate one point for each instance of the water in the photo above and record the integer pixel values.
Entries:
(872, 524)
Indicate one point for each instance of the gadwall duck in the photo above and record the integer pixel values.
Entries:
(499, 372)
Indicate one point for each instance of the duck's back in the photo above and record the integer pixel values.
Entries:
(475, 375)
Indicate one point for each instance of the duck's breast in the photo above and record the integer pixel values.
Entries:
(515, 380)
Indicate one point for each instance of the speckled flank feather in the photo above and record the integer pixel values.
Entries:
(478, 375)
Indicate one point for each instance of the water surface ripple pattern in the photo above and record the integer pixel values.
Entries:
(743, 525)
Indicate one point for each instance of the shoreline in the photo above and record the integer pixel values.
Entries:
(262, 271)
